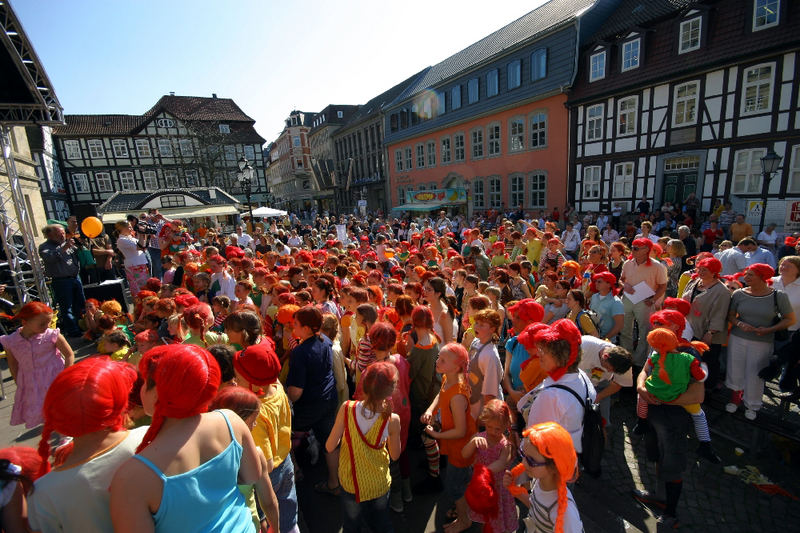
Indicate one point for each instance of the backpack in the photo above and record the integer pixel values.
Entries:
(593, 316)
(593, 440)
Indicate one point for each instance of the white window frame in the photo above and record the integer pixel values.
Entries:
(250, 152)
(455, 98)
(686, 39)
(538, 126)
(539, 64)
(592, 182)
(103, 181)
(495, 192)
(96, 149)
(516, 190)
(409, 158)
(72, 149)
(186, 147)
(143, 148)
(420, 152)
(747, 175)
(764, 4)
(150, 180)
(595, 122)
(629, 114)
(476, 143)
(494, 135)
(119, 147)
(171, 179)
(398, 160)
(597, 66)
(164, 147)
(430, 152)
(478, 193)
(445, 145)
(127, 181)
(631, 54)
(514, 71)
(516, 134)
(794, 171)
(622, 183)
(473, 83)
(758, 84)
(537, 189)
(459, 147)
(192, 177)
(682, 102)
(492, 83)
(224, 128)
(80, 183)
(229, 152)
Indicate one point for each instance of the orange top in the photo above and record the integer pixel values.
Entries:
(531, 373)
(452, 447)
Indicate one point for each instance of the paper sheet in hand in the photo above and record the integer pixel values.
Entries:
(642, 291)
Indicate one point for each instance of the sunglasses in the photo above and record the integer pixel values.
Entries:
(529, 460)
(634, 248)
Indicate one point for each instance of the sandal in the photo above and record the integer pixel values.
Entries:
(322, 487)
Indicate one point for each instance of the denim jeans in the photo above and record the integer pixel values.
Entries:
(71, 303)
(374, 512)
(155, 262)
(282, 479)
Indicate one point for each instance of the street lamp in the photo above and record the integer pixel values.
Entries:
(769, 165)
(245, 177)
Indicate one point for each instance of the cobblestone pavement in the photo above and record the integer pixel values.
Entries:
(711, 501)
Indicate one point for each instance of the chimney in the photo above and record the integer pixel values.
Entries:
(213, 95)
(172, 93)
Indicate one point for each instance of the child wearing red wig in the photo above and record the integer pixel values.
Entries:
(36, 353)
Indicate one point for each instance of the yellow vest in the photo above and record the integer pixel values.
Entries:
(363, 460)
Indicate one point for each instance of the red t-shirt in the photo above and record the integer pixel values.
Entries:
(710, 235)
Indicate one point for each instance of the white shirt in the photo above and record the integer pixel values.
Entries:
(602, 220)
(769, 238)
(571, 240)
(590, 363)
(129, 248)
(295, 241)
(226, 285)
(733, 260)
(792, 290)
(244, 240)
(610, 235)
(556, 405)
(760, 255)
(650, 236)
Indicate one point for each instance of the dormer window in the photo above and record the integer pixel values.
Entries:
(631, 54)
(766, 13)
(597, 66)
(224, 128)
(691, 31)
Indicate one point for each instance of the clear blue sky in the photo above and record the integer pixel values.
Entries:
(120, 56)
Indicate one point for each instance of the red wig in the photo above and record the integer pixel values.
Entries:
(712, 264)
(198, 315)
(669, 318)
(422, 317)
(562, 330)
(678, 304)
(89, 396)
(644, 242)
(238, 399)
(186, 378)
(382, 336)
(528, 336)
(28, 460)
(606, 276)
(528, 310)
(378, 382)
(186, 300)
(460, 353)
(763, 271)
(32, 309)
(482, 496)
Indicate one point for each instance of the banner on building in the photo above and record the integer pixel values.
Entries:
(445, 196)
(753, 212)
(341, 233)
(792, 222)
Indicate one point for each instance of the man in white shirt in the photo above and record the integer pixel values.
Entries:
(609, 235)
(609, 368)
(243, 239)
(222, 283)
(734, 259)
(768, 237)
(571, 239)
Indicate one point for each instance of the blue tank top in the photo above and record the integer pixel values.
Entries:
(206, 498)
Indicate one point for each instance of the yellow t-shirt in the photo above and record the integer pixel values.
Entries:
(120, 354)
(273, 430)
(534, 251)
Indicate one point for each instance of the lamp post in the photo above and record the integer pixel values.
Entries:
(245, 177)
(769, 165)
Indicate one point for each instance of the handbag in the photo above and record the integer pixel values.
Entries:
(783, 334)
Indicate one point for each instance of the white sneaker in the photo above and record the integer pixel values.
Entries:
(731, 407)
(750, 414)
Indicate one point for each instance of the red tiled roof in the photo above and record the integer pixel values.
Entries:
(99, 124)
(200, 108)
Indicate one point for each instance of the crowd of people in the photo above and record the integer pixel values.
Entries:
(484, 343)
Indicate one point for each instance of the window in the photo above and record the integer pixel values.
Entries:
(296, 141)
(477, 143)
(623, 180)
(409, 161)
(150, 180)
(538, 130)
(514, 74)
(250, 153)
(539, 64)
(597, 69)
(104, 183)
(191, 178)
(630, 55)
(143, 148)
(747, 172)
(165, 147)
(224, 128)
(431, 153)
(171, 179)
(340, 114)
(73, 149)
(420, 156)
(446, 150)
(766, 13)
(757, 89)
(441, 107)
(458, 143)
(493, 135)
(690, 35)
(492, 85)
(794, 172)
(591, 182)
(626, 116)
(398, 160)
(187, 147)
(80, 183)
(230, 153)
(120, 147)
(517, 134)
(477, 194)
(517, 197)
(95, 148)
(686, 104)
(165, 123)
(173, 200)
(126, 181)
(401, 195)
(494, 192)
(472, 91)
(538, 190)
(455, 97)
(594, 122)
(426, 109)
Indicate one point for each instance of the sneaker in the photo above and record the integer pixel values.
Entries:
(707, 452)
(731, 407)
(396, 501)
(750, 414)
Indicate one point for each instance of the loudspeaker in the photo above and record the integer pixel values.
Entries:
(108, 290)
(82, 211)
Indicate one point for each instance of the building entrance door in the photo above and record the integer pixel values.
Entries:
(680, 178)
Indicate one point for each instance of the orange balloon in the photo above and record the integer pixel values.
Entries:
(91, 227)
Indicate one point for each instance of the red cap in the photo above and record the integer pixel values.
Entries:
(528, 310)
(258, 364)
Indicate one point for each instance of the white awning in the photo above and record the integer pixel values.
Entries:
(178, 212)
